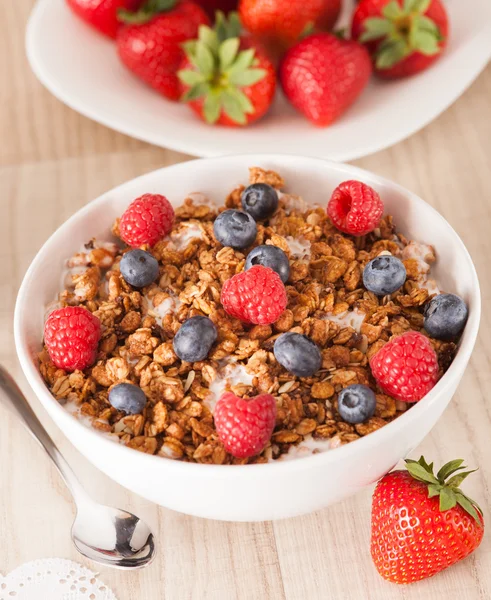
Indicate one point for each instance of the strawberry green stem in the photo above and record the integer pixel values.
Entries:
(146, 12)
(445, 484)
(402, 30)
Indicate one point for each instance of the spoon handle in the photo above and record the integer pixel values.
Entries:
(15, 400)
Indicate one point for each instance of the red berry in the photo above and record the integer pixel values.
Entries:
(322, 76)
(406, 368)
(423, 523)
(71, 335)
(399, 50)
(245, 425)
(255, 296)
(146, 220)
(355, 208)
(102, 14)
(152, 50)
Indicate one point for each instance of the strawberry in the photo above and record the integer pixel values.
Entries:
(284, 21)
(422, 523)
(404, 37)
(150, 43)
(102, 14)
(323, 75)
(227, 79)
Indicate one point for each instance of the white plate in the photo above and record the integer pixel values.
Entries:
(82, 69)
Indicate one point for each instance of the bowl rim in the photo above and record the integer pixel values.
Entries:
(38, 385)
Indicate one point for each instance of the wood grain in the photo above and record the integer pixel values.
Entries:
(52, 161)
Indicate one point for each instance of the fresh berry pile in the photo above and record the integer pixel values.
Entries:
(227, 65)
(237, 334)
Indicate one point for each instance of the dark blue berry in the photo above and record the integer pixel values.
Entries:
(260, 200)
(272, 257)
(139, 268)
(356, 403)
(384, 275)
(128, 398)
(298, 354)
(235, 228)
(195, 338)
(445, 316)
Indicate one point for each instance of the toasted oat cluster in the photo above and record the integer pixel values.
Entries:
(326, 301)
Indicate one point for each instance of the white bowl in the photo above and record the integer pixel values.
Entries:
(82, 69)
(250, 492)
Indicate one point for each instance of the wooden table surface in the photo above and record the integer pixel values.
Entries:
(52, 161)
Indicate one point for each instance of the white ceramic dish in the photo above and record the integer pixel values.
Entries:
(82, 69)
(251, 492)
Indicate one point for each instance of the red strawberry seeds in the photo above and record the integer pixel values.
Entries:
(146, 220)
(355, 208)
(245, 425)
(71, 335)
(406, 368)
(255, 296)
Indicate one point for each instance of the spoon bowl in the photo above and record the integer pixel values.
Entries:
(109, 536)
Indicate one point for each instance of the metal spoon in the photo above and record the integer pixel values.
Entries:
(109, 536)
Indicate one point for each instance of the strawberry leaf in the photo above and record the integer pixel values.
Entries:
(197, 91)
(424, 42)
(376, 28)
(228, 52)
(469, 507)
(421, 473)
(390, 53)
(243, 61)
(146, 12)
(449, 468)
(247, 77)
(208, 37)
(190, 77)
(456, 480)
(434, 490)
(233, 108)
(212, 107)
(226, 28)
(426, 24)
(392, 10)
(242, 99)
(420, 6)
(204, 59)
(447, 499)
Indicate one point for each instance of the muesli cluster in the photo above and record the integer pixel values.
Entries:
(263, 329)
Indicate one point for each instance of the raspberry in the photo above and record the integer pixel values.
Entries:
(355, 208)
(255, 296)
(245, 425)
(146, 220)
(406, 368)
(71, 335)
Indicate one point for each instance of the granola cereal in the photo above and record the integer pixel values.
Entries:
(326, 301)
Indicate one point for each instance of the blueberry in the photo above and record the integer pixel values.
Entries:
(384, 275)
(194, 339)
(298, 354)
(445, 316)
(356, 403)
(128, 398)
(272, 257)
(139, 268)
(235, 228)
(260, 200)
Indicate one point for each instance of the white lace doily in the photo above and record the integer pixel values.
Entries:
(53, 579)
